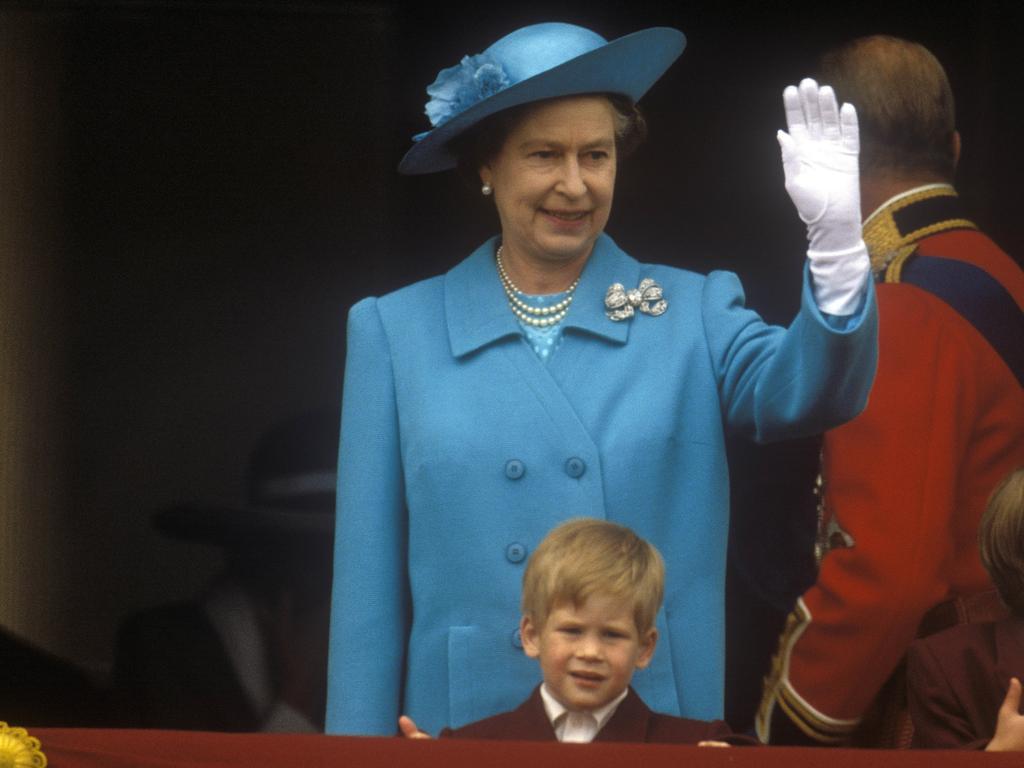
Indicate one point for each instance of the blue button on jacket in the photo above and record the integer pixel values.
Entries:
(441, 389)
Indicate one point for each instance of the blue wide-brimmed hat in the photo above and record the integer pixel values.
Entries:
(542, 61)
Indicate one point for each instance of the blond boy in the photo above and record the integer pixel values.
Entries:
(591, 592)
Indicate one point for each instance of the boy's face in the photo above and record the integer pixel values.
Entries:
(588, 653)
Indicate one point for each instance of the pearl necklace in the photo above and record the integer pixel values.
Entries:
(539, 317)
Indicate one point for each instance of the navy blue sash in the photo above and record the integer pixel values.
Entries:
(978, 297)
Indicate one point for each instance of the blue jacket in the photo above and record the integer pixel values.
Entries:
(460, 449)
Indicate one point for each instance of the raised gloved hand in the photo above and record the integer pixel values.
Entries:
(819, 157)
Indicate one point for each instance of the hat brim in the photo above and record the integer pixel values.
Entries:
(220, 525)
(629, 66)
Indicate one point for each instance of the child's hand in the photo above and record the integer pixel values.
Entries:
(410, 730)
(1010, 723)
(713, 744)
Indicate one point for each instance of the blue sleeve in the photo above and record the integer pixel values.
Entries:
(777, 383)
(370, 597)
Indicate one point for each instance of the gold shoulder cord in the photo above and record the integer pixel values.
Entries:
(888, 247)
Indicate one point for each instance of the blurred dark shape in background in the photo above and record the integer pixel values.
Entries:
(250, 652)
(38, 689)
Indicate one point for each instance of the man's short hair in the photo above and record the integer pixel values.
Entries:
(904, 104)
(585, 556)
(1001, 539)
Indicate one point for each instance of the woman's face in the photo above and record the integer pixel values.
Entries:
(554, 177)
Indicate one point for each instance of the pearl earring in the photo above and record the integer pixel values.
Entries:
(486, 189)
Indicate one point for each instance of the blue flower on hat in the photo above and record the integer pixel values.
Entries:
(458, 88)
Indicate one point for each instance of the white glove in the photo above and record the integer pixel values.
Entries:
(819, 158)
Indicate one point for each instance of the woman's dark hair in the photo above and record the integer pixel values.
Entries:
(484, 141)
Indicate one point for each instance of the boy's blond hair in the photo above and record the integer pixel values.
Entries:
(1001, 539)
(585, 556)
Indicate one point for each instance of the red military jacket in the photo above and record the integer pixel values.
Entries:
(905, 482)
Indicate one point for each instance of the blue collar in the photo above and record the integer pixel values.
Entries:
(478, 312)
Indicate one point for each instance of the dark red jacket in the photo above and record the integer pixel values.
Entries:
(957, 679)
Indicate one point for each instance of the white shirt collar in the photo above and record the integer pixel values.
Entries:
(558, 714)
(905, 193)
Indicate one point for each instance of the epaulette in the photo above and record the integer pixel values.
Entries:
(893, 236)
(892, 232)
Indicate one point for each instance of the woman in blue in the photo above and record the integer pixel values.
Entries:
(549, 375)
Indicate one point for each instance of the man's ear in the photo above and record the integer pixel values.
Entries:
(956, 149)
(529, 633)
(648, 641)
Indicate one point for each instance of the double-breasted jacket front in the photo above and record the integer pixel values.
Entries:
(460, 449)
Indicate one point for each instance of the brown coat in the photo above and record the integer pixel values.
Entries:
(632, 721)
(957, 679)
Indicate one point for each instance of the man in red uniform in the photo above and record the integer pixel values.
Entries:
(905, 483)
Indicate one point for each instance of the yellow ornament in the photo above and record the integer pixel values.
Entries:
(18, 749)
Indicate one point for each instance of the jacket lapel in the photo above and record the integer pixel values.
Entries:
(475, 305)
(533, 719)
(629, 723)
(607, 264)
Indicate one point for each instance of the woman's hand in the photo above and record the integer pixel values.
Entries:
(820, 161)
(819, 157)
(1010, 723)
(410, 730)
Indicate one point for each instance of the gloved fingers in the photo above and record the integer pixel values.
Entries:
(850, 128)
(829, 111)
(810, 206)
(796, 124)
(790, 156)
(809, 102)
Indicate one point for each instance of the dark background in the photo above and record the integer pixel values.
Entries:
(194, 193)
